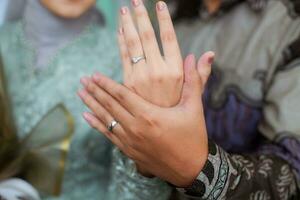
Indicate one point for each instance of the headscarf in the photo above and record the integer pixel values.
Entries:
(47, 33)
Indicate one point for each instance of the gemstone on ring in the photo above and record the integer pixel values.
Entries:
(137, 59)
(112, 125)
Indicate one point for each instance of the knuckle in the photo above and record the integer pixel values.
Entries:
(148, 35)
(119, 94)
(133, 42)
(133, 129)
(91, 87)
(177, 77)
(156, 77)
(148, 120)
(107, 104)
(141, 14)
(168, 36)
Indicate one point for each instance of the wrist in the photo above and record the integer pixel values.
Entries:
(193, 168)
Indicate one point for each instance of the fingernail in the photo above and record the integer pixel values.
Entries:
(135, 3)
(121, 30)
(81, 93)
(84, 81)
(190, 60)
(97, 76)
(124, 10)
(211, 58)
(87, 117)
(161, 5)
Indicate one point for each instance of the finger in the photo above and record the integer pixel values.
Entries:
(98, 125)
(127, 67)
(94, 106)
(192, 87)
(131, 36)
(168, 36)
(204, 66)
(101, 113)
(103, 105)
(129, 100)
(146, 32)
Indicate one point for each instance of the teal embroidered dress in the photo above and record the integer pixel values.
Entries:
(34, 92)
(90, 171)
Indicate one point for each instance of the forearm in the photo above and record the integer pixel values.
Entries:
(243, 177)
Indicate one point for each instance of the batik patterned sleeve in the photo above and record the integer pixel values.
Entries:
(273, 171)
(253, 177)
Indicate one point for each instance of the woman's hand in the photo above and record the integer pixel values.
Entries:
(170, 143)
(156, 78)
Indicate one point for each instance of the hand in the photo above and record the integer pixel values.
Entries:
(158, 79)
(171, 143)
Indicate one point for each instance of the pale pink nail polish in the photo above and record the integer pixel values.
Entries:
(81, 93)
(124, 10)
(161, 5)
(87, 117)
(135, 2)
(97, 76)
(84, 81)
(211, 59)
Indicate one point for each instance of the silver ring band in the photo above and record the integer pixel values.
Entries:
(137, 59)
(112, 125)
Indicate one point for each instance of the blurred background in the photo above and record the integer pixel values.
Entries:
(108, 8)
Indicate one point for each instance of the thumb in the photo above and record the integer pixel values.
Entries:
(192, 86)
(204, 66)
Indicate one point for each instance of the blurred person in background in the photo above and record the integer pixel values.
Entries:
(44, 55)
(3, 5)
(9, 147)
(251, 105)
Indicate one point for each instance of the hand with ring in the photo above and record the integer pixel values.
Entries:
(154, 77)
(161, 141)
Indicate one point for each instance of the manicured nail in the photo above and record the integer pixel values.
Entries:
(97, 76)
(135, 2)
(84, 81)
(211, 58)
(190, 60)
(124, 10)
(81, 93)
(87, 117)
(161, 5)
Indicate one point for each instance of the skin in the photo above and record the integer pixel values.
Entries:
(162, 141)
(69, 9)
(160, 81)
(212, 5)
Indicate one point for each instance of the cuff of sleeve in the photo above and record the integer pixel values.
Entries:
(212, 182)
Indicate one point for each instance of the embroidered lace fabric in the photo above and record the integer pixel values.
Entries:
(35, 92)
